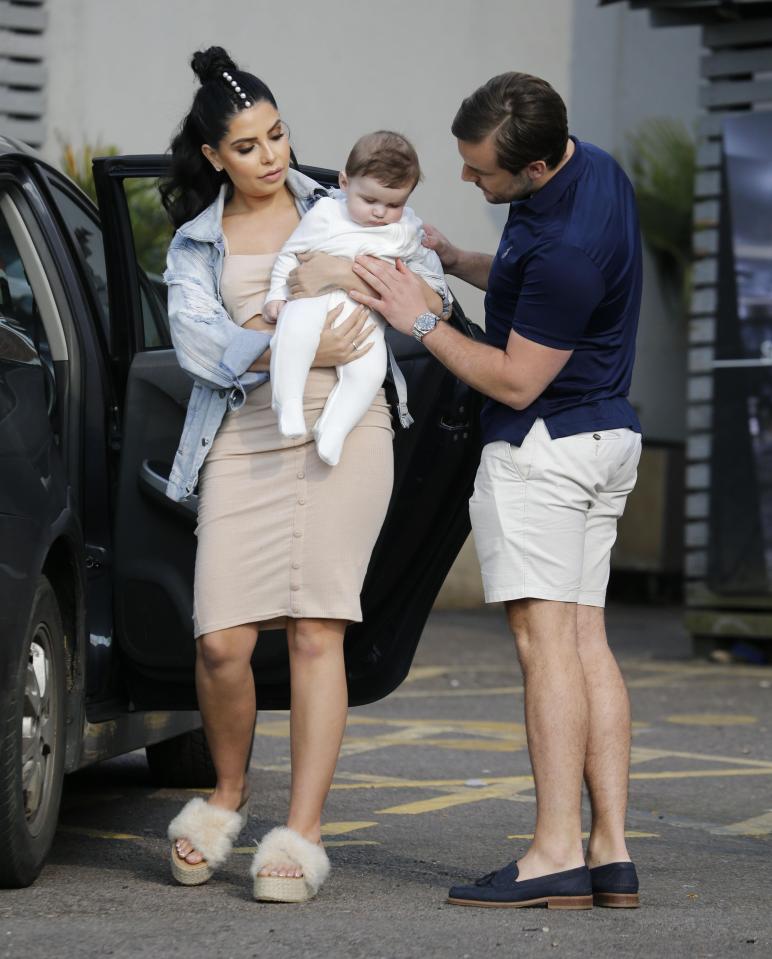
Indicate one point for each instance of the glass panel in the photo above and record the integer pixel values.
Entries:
(152, 234)
(149, 224)
(745, 262)
(22, 336)
(87, 238)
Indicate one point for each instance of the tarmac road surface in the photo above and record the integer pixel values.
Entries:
(433, 787)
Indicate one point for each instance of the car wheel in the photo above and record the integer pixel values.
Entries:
(32, 740)
(184, 761)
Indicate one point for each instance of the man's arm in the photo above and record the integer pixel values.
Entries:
(515, 376)
(471, 267)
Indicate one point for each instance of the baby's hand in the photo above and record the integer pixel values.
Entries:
(271, 310)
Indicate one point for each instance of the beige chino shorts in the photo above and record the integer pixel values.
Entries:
(544, 514)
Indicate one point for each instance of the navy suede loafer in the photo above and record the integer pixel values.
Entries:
(571, 889)
(615, 885)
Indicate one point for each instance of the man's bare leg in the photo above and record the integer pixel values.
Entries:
(556, 725)
(607, 765)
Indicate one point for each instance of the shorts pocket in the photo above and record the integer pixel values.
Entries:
(521, 458)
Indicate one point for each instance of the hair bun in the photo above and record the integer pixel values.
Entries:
(210, 64)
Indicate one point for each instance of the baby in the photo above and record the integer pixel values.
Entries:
(368, 215)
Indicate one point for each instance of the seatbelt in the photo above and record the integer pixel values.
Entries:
(405, 419)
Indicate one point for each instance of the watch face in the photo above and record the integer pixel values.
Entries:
(426, 322)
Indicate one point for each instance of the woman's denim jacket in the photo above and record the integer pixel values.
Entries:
(213, 349)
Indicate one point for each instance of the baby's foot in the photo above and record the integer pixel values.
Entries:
(292, 423)
(328, 446)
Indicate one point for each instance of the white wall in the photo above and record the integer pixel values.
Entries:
(119, 72)
(623, 72)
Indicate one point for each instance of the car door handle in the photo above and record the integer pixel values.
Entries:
(455, 423)
(153, 484)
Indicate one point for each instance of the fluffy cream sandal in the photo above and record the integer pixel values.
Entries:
(285, 845)
(212, 830)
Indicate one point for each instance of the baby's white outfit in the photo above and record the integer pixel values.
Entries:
(327, 228)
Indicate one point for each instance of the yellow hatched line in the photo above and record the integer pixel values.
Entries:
(586, 835)
(96, 833)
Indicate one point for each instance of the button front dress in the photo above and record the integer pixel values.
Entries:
(280, 533)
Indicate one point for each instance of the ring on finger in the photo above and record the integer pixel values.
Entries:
(354, 346)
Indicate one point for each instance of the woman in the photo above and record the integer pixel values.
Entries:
(282, 538)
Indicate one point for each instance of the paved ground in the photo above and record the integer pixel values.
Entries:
(433, 787)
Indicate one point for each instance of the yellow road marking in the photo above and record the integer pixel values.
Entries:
(341, 828)
(641, 753)
(96, 833)
(702, 773)
(505, 789)
(712, 719)
(352, 842)
(586, 835)
(250, 850)
(455, 693)
(358, 745)
(758, 826)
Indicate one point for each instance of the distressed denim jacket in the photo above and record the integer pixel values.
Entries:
(213, 349)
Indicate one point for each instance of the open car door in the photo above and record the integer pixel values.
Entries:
(426, 525)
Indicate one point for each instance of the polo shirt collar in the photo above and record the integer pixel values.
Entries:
(543, 199)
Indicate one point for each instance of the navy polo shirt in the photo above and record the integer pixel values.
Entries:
(568, 274)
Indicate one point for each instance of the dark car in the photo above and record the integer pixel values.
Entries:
(96, 564)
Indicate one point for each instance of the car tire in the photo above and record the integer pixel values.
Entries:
(182, 762)
(32, 745)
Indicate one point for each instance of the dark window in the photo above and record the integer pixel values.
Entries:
(86, 235)
(22, 336)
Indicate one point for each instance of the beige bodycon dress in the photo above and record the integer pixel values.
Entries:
(280, 533)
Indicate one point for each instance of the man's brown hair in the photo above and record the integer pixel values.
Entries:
(387, 157)
(525, 114)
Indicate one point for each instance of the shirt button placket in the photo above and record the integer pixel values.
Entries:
(298, 533)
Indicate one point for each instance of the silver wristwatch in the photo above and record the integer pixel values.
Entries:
(424, 323)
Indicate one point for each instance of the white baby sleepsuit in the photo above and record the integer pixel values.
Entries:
(327, 228)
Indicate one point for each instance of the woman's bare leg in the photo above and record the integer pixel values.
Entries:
(317, 724)
(226, 698)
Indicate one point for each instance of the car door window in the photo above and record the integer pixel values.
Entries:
(152, 232)
(86, 235)
(23, 337)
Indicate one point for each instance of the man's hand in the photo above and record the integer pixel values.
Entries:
(271, 310)
(400, 293)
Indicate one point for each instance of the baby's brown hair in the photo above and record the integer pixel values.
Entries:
(387, 157)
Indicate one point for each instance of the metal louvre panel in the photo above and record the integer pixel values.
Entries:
(736, 69)
(22, 74)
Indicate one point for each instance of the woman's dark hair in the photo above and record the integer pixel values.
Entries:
(526, 115)
(192, 183)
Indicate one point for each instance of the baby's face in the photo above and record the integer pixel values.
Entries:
(370, 203)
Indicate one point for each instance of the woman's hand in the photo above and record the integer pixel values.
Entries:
(320, 273)
(346, 342)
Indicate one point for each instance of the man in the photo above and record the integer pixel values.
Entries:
(561, 449)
